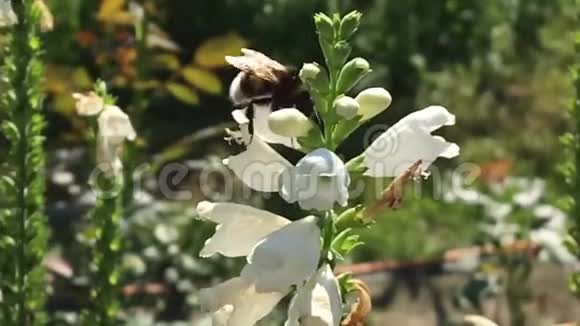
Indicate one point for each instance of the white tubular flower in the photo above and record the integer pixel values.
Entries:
(289, 123)
(346, 107)
(259, 166)
(262, 128)
(286, 257)
(409, 141)
(318, 303)
(7, 15)
(373, 101)
(114, 127)
(88, 104)
(318, 181)
(237, 303)
(239, 229)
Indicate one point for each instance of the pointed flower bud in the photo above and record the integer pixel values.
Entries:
(289, 123)
(309, 71)
(314, 76)
(351, 73)
(349, 25)
(324, 25)
(373, 101)
(346, 107)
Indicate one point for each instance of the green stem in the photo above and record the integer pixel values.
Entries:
(328, 233)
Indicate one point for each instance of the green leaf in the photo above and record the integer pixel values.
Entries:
(204, 80)
(182, 93)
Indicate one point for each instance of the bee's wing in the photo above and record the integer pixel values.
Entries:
(258, 64)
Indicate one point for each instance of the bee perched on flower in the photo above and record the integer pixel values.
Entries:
(309, 111)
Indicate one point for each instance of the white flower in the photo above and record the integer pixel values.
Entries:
(281, 254)
(552, 242)
(409, 141)
(461, 193)
(239, 229)
(346, 107)
(373, 101)
(259, 166)
(88, 104)
(318, 181)
(7, 15)
(114, 128)
(318, 302)
(553, 218)
(289, 123)
(285, 257)
(533, 191)
(237, 303)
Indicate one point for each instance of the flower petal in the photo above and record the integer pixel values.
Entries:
(115, 126)
(88, 104)
(409, 141)
(259, 166)
(318, 181)
(236, 302)
(318, 302)
(240, 227)
(285, 257)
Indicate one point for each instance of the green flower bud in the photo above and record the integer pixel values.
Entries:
(324, 25)
(373, 101)
(351, 73)
(289, 123)
(309, 71)
(349, 25)
(346, 107)
(315, 76)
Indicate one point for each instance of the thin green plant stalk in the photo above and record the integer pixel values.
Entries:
(571, 168)
(108, 244)
(24, 239)
(107, 252)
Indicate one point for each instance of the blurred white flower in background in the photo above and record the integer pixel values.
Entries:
(532, 192)
(114, 128)
(88, 104)
(7, 15)
(317, 181)
(280, 254)
(409, 141)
